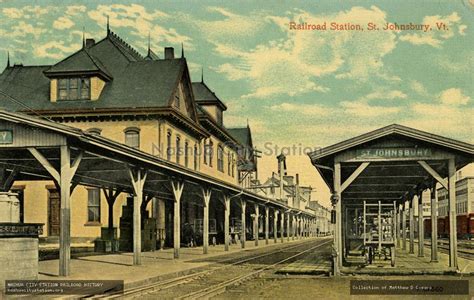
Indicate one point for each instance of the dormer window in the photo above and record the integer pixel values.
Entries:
(74, 89)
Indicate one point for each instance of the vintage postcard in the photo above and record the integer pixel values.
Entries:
(236, 149)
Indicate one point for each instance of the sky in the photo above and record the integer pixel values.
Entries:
(298, 89)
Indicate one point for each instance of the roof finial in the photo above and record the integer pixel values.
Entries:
(8, 59)
(182, 50)
(83, 38)
(149, 43)
(108, 25)
(248, 126)
(202, 74)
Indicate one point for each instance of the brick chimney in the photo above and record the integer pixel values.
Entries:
(169, 52)
(90, 43)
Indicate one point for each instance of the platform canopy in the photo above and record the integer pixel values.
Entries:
(33, 149)
(390, 163)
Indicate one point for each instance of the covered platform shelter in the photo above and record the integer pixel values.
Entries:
(389, 167)
(33, 148)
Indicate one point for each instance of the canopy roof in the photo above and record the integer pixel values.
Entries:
(393, 154)
(105, 163)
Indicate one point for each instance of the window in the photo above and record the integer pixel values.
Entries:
(205, 153)
(168, 144)
(210, 152)
(220, 158)
(229, 161)
(233, 165)
(132, 137)
(208, 149)
(74, 89)
(196, 157)
(178, 148)
(96, 131)
(93, 205)
(186, 154)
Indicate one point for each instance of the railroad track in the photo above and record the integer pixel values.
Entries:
(218, 276)
(443, 247)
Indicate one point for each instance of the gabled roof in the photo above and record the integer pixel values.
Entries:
(205, 96)
(408, 176)
(132, 82)
(141, 84)
(243, 135)
(394, 129)
(79, 62)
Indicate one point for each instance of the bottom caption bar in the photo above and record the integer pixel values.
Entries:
(409, 287)
(62, 287)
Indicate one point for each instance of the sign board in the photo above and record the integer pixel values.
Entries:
(6, 137)
(393, 153)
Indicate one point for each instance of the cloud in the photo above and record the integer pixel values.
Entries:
(141, 22)
(384, 95)
(23, 29)
(304, 109)
(436, 36)
(63, 23)
(453, 96)
(443, 119)
(75, 10)
(295, 64)
(360, 109)
(55, 49)
(419, 88)
(27, 12)
(450, 64)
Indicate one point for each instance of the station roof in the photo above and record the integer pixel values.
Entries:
(105, 162)
(393, 153)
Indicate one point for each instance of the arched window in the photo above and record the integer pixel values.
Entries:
(96, 131)
(168, 145)
(186, 154)
(132, 137)
(178, 148)
(220, 158)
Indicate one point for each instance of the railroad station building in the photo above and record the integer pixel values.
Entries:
(125, 149)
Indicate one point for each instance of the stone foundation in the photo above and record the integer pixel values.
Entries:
(18, 258)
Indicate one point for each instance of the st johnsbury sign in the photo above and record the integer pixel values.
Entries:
(393, 153)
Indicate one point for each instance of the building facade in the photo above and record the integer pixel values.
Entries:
(108, 89)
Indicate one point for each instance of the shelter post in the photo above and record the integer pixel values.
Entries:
(177, 187)
(421, 228)
(206, 195)
(267, 209)
(412, 225)
(243, 234)
(434, 225)
(453, 260)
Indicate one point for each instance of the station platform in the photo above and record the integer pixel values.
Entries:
(410, 264)
(156, 266)
(319, 263)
